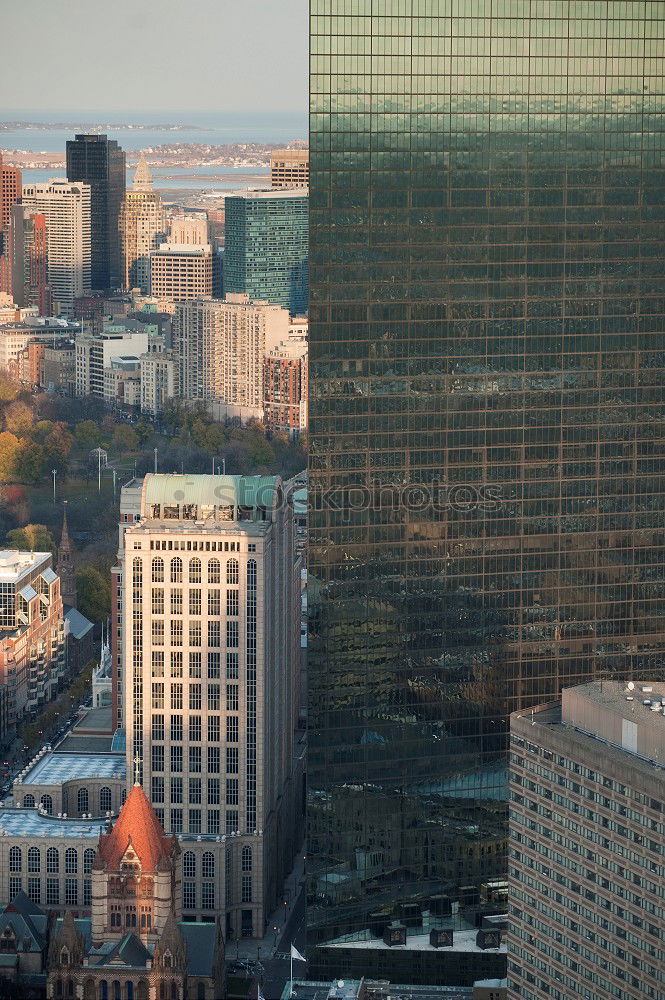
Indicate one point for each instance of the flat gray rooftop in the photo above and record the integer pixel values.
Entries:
(85, 743)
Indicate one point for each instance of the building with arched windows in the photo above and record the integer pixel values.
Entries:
(73, 783)
(50, 859)
(209, 657)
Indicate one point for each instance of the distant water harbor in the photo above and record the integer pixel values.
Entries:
(30, 126)
(214, 128)
(215, 152)
(175, 178)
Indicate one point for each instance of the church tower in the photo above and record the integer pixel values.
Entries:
(135, 876)
(135, 940)
(65, 566)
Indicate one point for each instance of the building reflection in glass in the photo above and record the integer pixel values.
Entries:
(487, 313)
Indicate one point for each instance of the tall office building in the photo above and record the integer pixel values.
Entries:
(10, 195)
(208, 586)
(143, 228)
(100, 162)
(10, 191)
(66, 209)
(220, 347)
(486, 446)
(587, 843)
(266, 246)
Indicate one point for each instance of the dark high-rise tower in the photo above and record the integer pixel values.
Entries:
(100, 162)
(487, 345)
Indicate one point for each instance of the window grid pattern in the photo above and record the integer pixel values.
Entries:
(487, 311)
(250, 692)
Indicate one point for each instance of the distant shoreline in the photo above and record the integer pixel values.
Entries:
(8, 126)
(183, 155)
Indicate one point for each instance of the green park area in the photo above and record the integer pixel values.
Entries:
(48, 447)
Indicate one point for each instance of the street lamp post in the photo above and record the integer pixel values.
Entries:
(54, 473)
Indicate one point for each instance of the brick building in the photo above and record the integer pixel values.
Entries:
(32, 632)
(285, 387)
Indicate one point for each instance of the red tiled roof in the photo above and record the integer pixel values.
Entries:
(137, 823)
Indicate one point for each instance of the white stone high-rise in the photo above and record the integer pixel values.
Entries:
(65, 206)
(208, 591)
(142, 227)
(221, 345)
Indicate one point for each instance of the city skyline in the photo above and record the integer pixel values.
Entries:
(332, 492)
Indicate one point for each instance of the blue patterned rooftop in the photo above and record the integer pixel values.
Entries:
(30, 823)
(56, 768)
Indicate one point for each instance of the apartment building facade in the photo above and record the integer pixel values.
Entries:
(96, 352)
(32, 632)
(221, 345)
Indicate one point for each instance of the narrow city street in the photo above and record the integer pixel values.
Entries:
(268, 961)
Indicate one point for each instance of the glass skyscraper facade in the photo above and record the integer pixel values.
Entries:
(100, 162)
(487, 403)
(266, 245)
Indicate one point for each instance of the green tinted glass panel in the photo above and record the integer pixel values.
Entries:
(487, 309)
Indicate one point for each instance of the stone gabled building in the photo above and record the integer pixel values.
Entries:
(135, 947)
(24, 929)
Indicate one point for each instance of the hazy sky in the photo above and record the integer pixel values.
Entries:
(154, 54)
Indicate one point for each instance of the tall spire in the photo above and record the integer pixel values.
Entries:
(143, 175)
(65, 540)
(65, 564)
